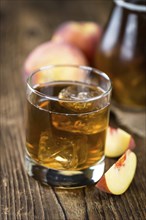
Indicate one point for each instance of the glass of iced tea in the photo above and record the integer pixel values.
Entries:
(68, 114)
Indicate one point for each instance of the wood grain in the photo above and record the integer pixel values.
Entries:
(24, 25)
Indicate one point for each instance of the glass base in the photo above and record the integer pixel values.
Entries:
(64, 178)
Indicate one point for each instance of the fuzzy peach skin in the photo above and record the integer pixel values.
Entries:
(119, 177)
(51, 53)
(84, 34)
(117, 142)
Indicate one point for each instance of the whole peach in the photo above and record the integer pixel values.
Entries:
(52, 53)
(84, 35)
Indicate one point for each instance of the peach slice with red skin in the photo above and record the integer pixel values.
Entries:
(118, 178)
(117, 142)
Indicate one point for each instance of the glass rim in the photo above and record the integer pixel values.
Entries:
(98, 72)
(131, 6)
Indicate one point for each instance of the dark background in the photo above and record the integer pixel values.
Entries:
(32, 22)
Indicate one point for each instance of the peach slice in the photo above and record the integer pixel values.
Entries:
(117, 142)
(118, 178)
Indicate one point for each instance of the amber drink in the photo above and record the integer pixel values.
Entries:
(122, 53)
(66, 125)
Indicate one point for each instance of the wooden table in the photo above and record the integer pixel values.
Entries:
(24, 25)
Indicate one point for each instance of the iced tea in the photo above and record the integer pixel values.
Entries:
(66, 135)
(66, 127)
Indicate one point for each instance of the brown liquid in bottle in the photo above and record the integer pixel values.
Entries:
(122, 53)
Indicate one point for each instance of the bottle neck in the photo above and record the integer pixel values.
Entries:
(139, 6)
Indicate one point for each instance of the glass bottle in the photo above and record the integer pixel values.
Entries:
(122, 53)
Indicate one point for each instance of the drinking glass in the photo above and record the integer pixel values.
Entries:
(68, 114)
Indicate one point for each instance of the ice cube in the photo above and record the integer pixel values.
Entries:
(75, 92)
(82, 149)
(77, 154)
(88, 123)
(47, 148)
(79, 94)
(62, 152)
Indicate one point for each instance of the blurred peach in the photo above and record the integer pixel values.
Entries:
(53, 53)
(84, 35)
